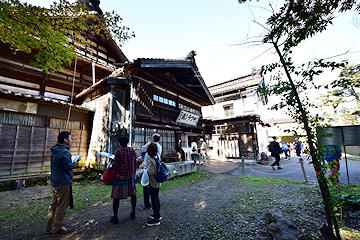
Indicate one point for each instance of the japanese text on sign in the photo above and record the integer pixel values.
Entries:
(188, 118)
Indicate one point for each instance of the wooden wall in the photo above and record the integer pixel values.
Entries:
(26, 150)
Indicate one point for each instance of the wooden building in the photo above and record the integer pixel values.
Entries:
(232, 124)
(35, 106)
(149, 95)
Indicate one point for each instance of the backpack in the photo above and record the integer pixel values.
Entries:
(271, 147)
(162, 171)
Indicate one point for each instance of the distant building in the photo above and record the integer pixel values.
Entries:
(232, 124)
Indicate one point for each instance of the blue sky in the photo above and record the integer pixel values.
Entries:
(172, 28)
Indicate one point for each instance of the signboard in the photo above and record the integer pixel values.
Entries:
(188, 118)
(347, 135)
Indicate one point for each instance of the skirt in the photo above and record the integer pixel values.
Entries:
(123, 188)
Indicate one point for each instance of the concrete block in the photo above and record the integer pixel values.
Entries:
(177, 169)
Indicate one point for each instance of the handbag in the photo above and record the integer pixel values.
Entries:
(109, 175)
(145, 178)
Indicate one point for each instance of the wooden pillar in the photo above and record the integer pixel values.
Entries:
(15, 147)
(30, 147)
(81, 131)
(45, 148)
(43, 84)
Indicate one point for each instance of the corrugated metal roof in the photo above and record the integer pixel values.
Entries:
(45, 99)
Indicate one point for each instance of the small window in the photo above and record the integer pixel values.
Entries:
(166, 101)
(156, 98)
(161, 99)
(228, 110)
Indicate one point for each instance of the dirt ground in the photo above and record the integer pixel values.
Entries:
(217, 207)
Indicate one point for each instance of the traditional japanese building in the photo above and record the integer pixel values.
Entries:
(147, 96)
(232, 124)
(35, 106)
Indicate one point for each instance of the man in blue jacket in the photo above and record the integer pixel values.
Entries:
(61, 179)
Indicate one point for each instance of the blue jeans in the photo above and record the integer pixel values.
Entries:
(286, 153)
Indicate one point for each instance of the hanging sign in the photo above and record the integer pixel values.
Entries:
(188, 118)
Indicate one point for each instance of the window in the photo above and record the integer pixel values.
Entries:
(219, 129)
(167, 139)
(22, 119)
(164, 100)
(61, 123)
(228, 110)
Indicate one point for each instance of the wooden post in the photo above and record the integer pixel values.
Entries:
(243, 165)
(303, 169)
(30, 146)
(45, 147)
(15, 147)
(81, 131)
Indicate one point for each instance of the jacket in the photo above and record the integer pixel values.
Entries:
(159, 147)
(61, 166)
(152, 170)
(274, 148)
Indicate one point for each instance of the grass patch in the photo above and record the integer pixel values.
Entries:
(349, 233)
(188, 180)
(90, 194)
(263, 181)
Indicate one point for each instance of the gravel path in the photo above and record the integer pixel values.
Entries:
(219, 206)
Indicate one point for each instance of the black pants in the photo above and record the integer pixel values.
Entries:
(154, 193)
(147, 197)
(277, 158)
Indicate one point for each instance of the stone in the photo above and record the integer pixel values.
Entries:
(279, 227)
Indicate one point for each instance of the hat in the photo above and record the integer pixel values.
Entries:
(201, 140)
(156, 134)
(274, 137)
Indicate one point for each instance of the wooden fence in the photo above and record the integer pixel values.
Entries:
(25, 150)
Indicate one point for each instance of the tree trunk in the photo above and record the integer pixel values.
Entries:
(320, 176)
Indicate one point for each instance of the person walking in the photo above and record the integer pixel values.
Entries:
(203, 151)
(332, 154)
(153, 186)
(285, 149)
(298, 147)
(275, 149)
(124, 182)
(155, 138)
(61, 178)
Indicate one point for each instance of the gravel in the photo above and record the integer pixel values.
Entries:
(219, 206)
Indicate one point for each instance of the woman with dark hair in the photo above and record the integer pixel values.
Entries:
(153, 186)
(124, 183)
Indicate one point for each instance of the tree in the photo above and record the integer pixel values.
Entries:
(293, 23)
(53, 35)
(348, 83)
(344, 90)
